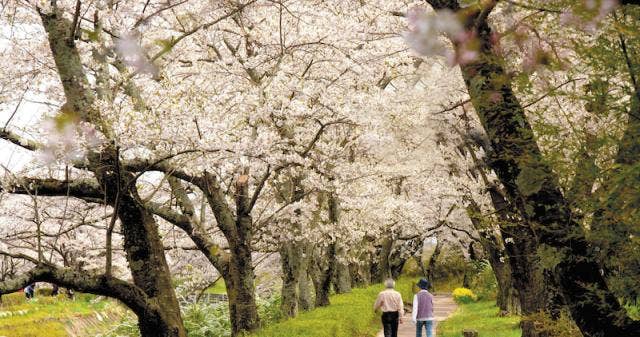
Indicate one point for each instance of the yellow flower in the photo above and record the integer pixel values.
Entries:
(464, 295)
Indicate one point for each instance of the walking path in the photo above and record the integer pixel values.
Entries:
(443, 305)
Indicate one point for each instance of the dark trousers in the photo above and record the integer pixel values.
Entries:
(390, 323)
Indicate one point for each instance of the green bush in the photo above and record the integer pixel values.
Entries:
(483, 281)
(269, 310)
(203, 319)
(560, 327)
(411, 268)
(451, 264)
(634, 311)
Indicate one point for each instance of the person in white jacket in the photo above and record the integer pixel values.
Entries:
(422, 314)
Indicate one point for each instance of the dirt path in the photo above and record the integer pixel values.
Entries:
(443, 305)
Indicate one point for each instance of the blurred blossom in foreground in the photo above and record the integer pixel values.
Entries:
(426, 29)
(67, 141)
(587, 14)
(132, 53)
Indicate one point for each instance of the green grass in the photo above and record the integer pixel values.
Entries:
(217, 288)
(349, 315)
(633, 311)
(45, 316)
(481, 316)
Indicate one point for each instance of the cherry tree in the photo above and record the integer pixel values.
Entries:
(530, 184)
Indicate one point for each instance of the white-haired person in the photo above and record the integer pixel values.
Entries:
(390, 303)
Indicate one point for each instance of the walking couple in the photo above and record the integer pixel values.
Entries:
(390, 302)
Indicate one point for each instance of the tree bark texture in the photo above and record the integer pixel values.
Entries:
(342, 275)
(533, 189)
(507, 299)
(142, 244)
(305, 302)
(380, 269)
(291, 257)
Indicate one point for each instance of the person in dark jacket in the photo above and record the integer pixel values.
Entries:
(55, 290)
(30, 291)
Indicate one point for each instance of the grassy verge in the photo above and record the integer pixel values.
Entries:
(480, 316)
(218, 288)
(349, 315)
(45, 316)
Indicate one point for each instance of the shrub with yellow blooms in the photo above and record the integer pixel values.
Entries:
(464, 295)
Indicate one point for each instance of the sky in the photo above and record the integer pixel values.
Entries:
(16, 116)
(28, 114)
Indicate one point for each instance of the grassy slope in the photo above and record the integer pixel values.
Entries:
(349, 315)
(480, 316)
(217, 288)
(46, 316)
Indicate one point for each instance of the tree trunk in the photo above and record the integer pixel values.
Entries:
(431, 266)
(508, 298)
(292, 256)
(533, 189)
(291, 260)
(419, 261)
(402, 253)
(321, 272)
(305, 302)
(361, 272)
(380, 269)
(145, 254)
(240, 281)
(492, 245)
(342, 275)
(142, 244)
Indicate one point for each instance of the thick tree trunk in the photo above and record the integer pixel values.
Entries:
(492, 245)
(508, 298)
(152, 320)
(396, 263)
(431, 266)
(321, 272)
(418, 257)
(400, 255)
(521, 275)
(380, 269)
(361, 272)
(291, 257)
(241, 293)
(142, 244)
(533, 189)
(342, 275)
(396, 266)
(305, 301)
(145, 254)
(240, 284)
